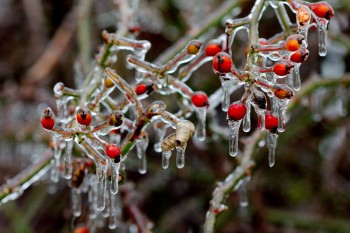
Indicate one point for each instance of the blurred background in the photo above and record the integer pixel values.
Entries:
(43, 42)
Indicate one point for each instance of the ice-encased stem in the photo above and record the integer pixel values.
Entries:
(101, 172)
(201, 115)
(165, 159)
(272, 143)
(76, 201)
(68, 160)
(233, 140)
(114, 177)
(180, 156)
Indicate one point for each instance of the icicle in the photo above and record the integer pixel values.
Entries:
(282, 108)
(101, 171)
(322, 36)
(246, 120)
(57, 151)
(243, 192)
(165, 159)
(141, 146)
(68, 160)
(271, 143)
(296, 77)
(180, 156)
(112, 223)
(225, 101)
(160, 134)
(92, 197)
(76, 201)
(201, 116)
(233, 141)
(114, 177)
(105, 212)
(261, 119)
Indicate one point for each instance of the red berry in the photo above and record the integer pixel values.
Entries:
(81, 230)
(236, 111)
(271, 122)
(294, 42)
(47, 119)
(322, 10)
(113, 151)
(84, 117)
(282, 68)
(200, 99)
(212, 48)
(141, 89)
(222, 62)
(299, 56)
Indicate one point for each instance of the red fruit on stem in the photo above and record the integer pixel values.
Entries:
(282, 68)
(200, 99)
(299, 56)
(113, 150)
(322, 10)
(222, 62)
(84, 117)
(294, 42)
(271, 122)
(141, 89)
(236, 111)
(81, 230)
(47, 119)
(212, 48)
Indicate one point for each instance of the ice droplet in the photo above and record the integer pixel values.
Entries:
(246, 120)
(233, 140)
(141, 146)
(180, 156)
(160, 134)
(322, 36)
(225, 101)
(271, 143)
(114, 177)
(76, 201)
(112, 223)
(201, 115)
(101, 172)
(68, 160)
(165, 159)
(243, 192)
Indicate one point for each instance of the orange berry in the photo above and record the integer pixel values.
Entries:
(322, 10)
(294, 42)
(222, 62)
(108, 82)
(282, 91)
(84, 117)
(193, 47)
(81, 230)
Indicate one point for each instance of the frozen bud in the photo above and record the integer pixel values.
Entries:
(282, 91)
(259, 99)
(116, 118)
(108, 82)
(303, 15)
